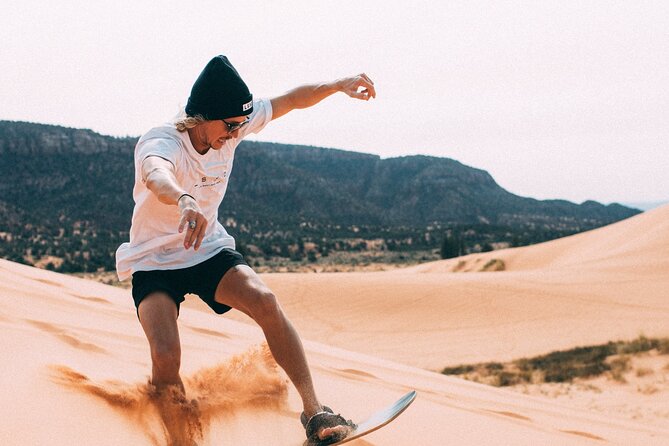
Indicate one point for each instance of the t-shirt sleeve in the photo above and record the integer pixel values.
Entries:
(262, 114)
(165, 148)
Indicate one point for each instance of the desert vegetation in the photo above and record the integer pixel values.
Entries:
(612, 359)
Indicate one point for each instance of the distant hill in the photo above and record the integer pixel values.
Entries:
(67, 193)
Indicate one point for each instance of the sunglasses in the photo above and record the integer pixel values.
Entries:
(232, 126)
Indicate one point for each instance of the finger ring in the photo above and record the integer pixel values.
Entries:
(192, 224)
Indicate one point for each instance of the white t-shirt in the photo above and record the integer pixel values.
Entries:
(155, 241)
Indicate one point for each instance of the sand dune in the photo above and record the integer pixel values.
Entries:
(76, 362)
(608, 284)
(76, 365)
(639, 243)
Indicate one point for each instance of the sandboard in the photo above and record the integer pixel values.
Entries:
(378, 420)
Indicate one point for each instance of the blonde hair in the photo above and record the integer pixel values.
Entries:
(184, 122)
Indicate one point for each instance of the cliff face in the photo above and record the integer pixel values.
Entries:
(44, 166)
(26, 138)
(339, 186)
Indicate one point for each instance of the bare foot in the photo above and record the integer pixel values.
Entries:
(325, 427)
(337, 431)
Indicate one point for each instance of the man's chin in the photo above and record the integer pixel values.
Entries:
(218, 145)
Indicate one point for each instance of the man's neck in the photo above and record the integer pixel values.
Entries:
(195, 139)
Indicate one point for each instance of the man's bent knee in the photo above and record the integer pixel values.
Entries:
(264, 307)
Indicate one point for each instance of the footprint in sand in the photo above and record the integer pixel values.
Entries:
(209, 332)
(49, 282)
(511, 415)
(66, 337)
(584, 434)
(92, 299)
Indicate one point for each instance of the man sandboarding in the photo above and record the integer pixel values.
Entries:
(178, 246)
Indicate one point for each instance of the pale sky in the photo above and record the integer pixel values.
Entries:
(556, 99)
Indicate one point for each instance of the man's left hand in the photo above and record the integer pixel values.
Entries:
(359, 87)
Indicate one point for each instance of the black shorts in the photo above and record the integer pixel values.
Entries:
(201, 279)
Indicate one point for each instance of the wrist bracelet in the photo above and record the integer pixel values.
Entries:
(185, 195)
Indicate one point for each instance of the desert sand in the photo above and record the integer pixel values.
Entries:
(602, 285)
(76, 362)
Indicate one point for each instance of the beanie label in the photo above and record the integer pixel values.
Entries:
(247, 106)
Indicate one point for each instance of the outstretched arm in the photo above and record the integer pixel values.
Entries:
(358, 87)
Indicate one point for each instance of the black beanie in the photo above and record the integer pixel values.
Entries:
(219, 92)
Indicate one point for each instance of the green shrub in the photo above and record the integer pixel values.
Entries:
(562, 366)
(458, 370)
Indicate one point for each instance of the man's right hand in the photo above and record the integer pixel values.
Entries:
(192, 220)
(158, 173)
